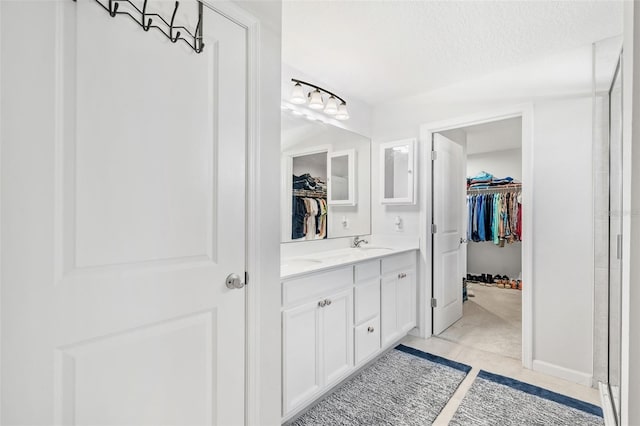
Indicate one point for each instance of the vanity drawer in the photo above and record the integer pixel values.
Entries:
(307, 287)
(367, 300)
(367, 270)
(399, 261)
(367, 339)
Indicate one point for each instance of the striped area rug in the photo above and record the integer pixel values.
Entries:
(403, 387)
(499, 400)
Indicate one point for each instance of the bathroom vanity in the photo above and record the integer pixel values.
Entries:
(340, 309)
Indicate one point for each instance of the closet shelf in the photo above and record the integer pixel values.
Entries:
(497, 188)
(309, 193)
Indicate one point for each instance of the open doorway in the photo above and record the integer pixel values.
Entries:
(490, 252)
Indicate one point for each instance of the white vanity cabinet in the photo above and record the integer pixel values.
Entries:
(398, 296)
(334, 321)
(317, 324)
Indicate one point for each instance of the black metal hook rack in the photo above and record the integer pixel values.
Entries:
(146, 21)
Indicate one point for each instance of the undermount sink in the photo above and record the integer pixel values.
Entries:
(301, 262)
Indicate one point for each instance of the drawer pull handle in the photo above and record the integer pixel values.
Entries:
(322, 303)
(328, 301)
(402, 275)
(370, 329)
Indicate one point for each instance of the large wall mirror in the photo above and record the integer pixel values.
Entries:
(326, 181)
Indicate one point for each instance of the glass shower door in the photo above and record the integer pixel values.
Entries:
(615, 239)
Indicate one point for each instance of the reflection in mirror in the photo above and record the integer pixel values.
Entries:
(326, 189)
(342, 178)
(309, 189)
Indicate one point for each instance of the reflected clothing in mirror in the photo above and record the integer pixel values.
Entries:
(305, 181)
(309, 218)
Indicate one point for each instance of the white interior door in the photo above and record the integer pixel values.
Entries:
(448, 216)
(123, 211)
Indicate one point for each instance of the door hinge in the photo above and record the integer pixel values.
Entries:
(246, 278)
(434, 302)
(434, 228)
(434, 155)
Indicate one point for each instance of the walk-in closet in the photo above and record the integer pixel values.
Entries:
(492, 289)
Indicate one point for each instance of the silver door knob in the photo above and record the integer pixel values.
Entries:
(370, 329)
(463, 240)
(328, 301)
(322, 303)
(233, 281)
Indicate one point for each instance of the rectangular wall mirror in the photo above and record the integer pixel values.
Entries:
(326, 188)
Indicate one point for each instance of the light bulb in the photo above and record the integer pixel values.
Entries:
(315, 100)
(332, 106)
(297, 95)
(342, 114)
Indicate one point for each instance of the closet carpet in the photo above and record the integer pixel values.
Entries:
(491, 321)
(498, 400)
(403, 387)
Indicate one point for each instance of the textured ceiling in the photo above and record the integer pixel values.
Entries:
(382, 50)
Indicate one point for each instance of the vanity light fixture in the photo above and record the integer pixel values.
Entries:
(335, 106)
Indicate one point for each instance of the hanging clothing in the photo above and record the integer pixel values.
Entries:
(298, 213)
(494, 217)
(308, 218)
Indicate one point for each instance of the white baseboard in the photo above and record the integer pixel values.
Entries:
(563, 373)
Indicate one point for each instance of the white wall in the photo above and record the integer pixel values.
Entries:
(561, 147)
(563, 235)
(498, 163)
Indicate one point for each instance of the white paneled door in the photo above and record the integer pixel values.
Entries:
(123, 211)
(448, 214)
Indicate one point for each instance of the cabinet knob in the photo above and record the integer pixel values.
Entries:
(328, 301)
(322, 303)
(402, 275)
(370, 329)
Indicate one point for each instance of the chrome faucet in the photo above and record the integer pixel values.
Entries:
(357, 241)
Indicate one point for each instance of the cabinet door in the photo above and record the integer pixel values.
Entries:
(388, 309)
(406, 302)
(367, 304)
(301, 352)
(337, 335)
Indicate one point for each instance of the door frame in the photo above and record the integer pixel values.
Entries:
(254, 209)
(525, 111)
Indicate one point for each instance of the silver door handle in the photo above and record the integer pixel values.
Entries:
(327, 301)
(322, 303)
(463, 240)
(234, 281)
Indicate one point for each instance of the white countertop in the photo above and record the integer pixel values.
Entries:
(300, 265)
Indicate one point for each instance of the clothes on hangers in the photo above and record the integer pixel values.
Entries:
(494, 217)
(309, 218)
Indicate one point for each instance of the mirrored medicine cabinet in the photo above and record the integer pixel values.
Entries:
(398, 177)
(326, 181)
